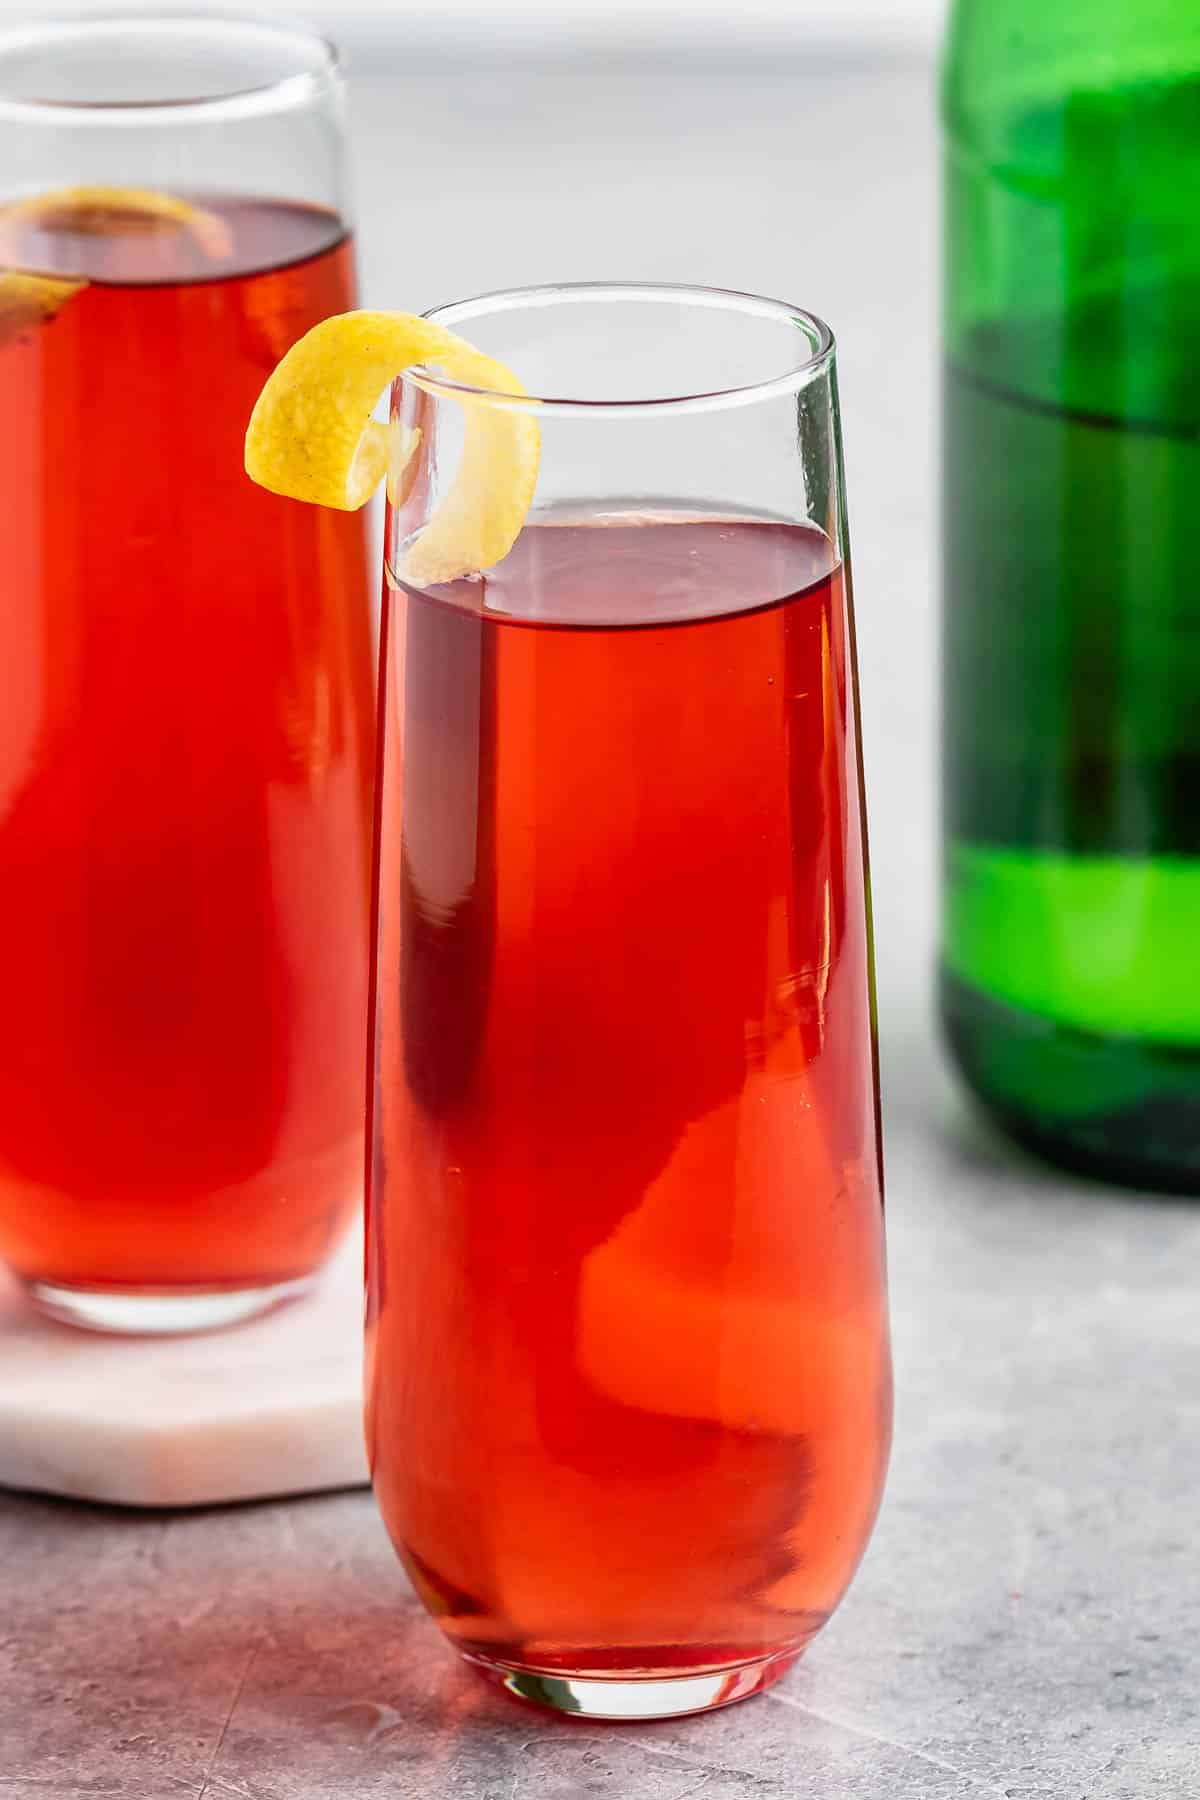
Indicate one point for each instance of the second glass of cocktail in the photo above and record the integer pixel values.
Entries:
(628, 1374)
(186, 682)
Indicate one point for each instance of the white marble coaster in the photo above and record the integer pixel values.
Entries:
(271, 1407)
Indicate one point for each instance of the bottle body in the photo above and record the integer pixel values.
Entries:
(1070, 978)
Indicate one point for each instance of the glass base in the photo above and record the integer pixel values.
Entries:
(149, 1312)
(1114, 1109)
(636, 1696)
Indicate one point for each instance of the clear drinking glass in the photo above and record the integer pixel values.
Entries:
(628, 1368)
(187, 722)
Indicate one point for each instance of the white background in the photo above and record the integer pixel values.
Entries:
(687, 27)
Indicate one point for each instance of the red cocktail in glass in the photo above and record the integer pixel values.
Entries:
(629, 1394)
(186, 740)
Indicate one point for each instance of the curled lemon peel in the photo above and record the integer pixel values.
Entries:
(29, 300)
(403, 443)
(108, 211)
(311, 436)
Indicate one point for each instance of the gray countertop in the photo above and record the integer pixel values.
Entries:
(1026, 1619)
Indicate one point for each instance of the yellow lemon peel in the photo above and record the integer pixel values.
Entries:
(111, 211)
(30, 300)
(311, 436)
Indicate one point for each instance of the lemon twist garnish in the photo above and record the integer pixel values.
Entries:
(113, 212)
(29, 300)
(311, 436)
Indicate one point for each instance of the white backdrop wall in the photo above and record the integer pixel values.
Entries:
(550, 27)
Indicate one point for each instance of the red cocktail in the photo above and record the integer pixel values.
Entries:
(185, 768)
(628, 1375)
(627, 1165)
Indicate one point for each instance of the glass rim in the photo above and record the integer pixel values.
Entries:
(256, 97)
(809, 368)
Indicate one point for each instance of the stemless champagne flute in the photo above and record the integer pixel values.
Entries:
(628, 1369)
(186, 662)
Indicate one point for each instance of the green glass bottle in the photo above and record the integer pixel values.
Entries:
(1070, 975)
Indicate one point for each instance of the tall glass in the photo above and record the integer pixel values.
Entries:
(186, 728)
(628, 1376)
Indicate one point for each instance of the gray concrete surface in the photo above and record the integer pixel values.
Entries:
(1026, 1621)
